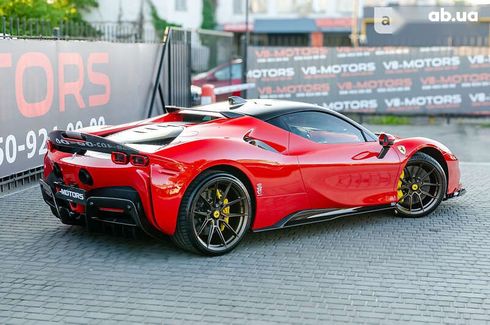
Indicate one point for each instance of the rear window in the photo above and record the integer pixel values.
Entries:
(197, 117)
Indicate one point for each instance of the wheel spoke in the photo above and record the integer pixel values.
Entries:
(431, 184)
(421, 203)
(232, 202)
(411, 202)
(211, 233)
(418, 171)
(427, 194)
(407, 173)
(415, 169)
(225, 194)
(221, 236)
(404, 196)
(427, 174)
(204, 214)
(204, 224)
(206, 200)
(215, 193)
(234, 215)
(230, 228)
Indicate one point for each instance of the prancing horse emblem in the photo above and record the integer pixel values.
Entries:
(402, 150)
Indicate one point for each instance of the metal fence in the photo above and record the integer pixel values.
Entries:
(187, 53)
(173, 75)
(120, 32)
(210, 49)
(182, 54)
(13, 182)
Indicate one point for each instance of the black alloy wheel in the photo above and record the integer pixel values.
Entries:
(215, 214)
(422, 187)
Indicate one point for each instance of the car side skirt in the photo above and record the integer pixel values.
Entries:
(320, 215)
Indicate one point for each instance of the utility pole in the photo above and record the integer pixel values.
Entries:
(354, 36)
(245, 47)
(247, 30)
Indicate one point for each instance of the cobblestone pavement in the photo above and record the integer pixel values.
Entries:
(364, 269)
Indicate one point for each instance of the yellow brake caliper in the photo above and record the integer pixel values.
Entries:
(399, 191)
(226, 211)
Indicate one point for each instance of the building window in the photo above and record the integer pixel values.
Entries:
(258, 6)
(285, 6)
(301, 7)
(237, 7)
(345, 6)
(180, 5)
(322, 6)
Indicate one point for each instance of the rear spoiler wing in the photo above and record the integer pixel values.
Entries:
(77, 142)
(227, 114)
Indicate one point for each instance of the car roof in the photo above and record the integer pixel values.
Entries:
(266, 109)
(263, 109)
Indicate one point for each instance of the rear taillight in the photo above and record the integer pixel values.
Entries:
(139, 160)
(120, 158)
(113, 210)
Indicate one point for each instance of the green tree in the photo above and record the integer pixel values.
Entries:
(50, 12)
(158, 22)
(208, 14)
(209, 22)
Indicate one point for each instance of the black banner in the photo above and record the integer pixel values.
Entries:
(48, 85)
(391, 80)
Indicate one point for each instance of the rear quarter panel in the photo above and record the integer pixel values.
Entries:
(275, 179)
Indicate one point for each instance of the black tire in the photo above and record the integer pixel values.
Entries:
(203, 225)
(423, 187)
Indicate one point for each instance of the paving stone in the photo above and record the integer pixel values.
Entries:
(374, 268)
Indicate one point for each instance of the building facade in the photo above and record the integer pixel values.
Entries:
(290, 22)
(187, 13)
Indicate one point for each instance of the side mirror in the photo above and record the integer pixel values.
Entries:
(386, 141)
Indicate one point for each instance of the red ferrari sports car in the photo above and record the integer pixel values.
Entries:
(207, 175)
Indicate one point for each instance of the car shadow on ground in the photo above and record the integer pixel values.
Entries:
(114, 241)
(125, 243)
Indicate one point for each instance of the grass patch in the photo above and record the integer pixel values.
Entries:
(389, 120)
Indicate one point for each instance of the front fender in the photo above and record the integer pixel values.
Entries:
(408, 147)
(413, 145)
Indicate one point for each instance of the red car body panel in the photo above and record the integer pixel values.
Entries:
(343, 176)
(298, 175)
